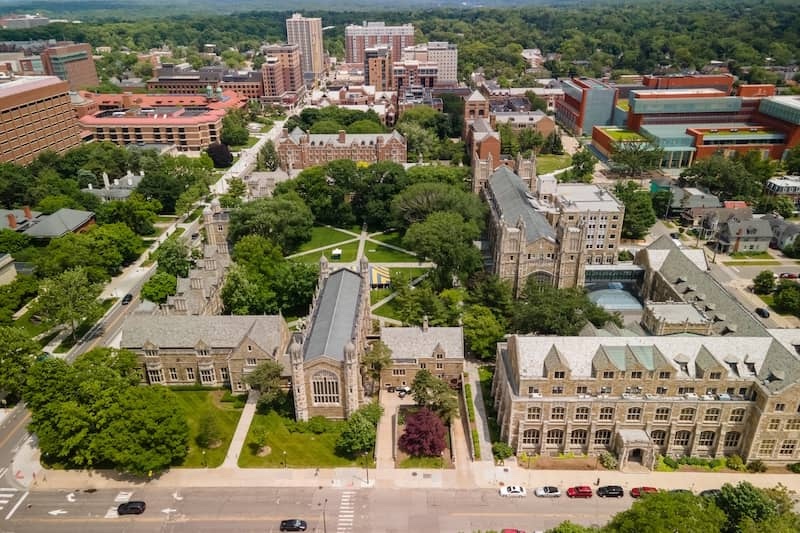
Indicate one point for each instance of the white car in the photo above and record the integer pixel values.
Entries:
(513, 491)
(548, 492)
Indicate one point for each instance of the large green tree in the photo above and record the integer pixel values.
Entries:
(285, 220)
(173, 257)
(639, 213)
(482, 331)
(415, 203)
(17, 353)
(668, 512)
(433, 393)
(68, 298)
(159, 287)
(764, 282)
(377, 359)
(634, 158)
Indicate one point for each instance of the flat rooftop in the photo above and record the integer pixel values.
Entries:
(678, 92)
(22, 84)
(792, 101)
(675, 313)
(585, 197)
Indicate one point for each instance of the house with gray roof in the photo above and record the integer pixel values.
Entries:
(206, 350)
(440, 350)
(326, 356)
(737, 235)
(60, 223)
(731, 390)
(784, 232)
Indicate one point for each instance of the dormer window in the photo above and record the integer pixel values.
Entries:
(559, 374)
(152, 352)
(684, 367)
(203, 352)
(439, 356)
(751, 367)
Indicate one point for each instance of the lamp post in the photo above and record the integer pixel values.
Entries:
(204, 459)
(284, 459)
(366, 466)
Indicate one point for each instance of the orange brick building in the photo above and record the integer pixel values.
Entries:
(71, 62)
(35, 115)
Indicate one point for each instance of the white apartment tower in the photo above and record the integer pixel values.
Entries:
(444, 54)
(307, 34)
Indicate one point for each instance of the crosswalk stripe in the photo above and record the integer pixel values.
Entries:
(123, 497)
(112, 512)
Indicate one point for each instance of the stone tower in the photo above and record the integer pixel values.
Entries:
(352, 380)
(298, 380)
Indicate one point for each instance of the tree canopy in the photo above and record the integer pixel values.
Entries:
(639, 213)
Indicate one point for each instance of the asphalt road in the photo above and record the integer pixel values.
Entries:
(345, 511)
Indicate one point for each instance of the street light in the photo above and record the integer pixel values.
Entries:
(366, 466)
(324, 519)
(284, 458)
(204, 459)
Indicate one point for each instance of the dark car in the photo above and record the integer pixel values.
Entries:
(710, 493)
(763, 313)
(131, 508)
(611, 491)
(293, 524)
(127, 299)
(681, 491)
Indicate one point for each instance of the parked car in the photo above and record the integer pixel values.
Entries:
(135, 507)
(507, 530)
(638, 492)
(127, 299)
(293, 524)
(682, 491)
(710, 493)
(582, 491)
(788, 275)
(610, 491)
(763, 313)
(548, 492)
(513, 491)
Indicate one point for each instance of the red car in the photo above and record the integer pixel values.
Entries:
(582, 491)
(638, 492)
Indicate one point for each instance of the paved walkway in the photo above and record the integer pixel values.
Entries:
(384, 453)
(480, 411)
(240, 435)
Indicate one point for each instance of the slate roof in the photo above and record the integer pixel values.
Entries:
(225, 331)
(335, 316)
(512, 202)
(19, 215)
(59, 223)
(691, 197)
(476, 96)
(756, 228)
(350, 139)
(414, 342)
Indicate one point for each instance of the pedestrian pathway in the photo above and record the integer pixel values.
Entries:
(484, 437)
(240, 435)
(384, 453)
(344, 520)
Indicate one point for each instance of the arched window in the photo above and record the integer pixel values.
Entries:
(540, 277)
(555, 436)
(530, 436)
(706, 438)
(682, 438)
(732, 439)
(602, 436)
(658, 437)
(578, 436)
(687, 415)
(634, 414)
(534, 413)
(325, 387)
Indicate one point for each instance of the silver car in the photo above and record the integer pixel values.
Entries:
(547, 492)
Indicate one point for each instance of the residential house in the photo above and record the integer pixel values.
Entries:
(706, 220)
(737, 235)
(784, 232)
(787, 186)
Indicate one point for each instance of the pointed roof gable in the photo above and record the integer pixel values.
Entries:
(512, 203)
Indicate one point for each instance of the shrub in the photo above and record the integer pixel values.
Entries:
(718, 463)
(794, 467)
(468, 401)
(373, 412)
(209, 432)
(501, 450)
(662, 466)
(625, 255)
(670, 462)
(318, 425)
(756, 466)
(734, 462)
(476, 445)
(424, 434)
(608, 460)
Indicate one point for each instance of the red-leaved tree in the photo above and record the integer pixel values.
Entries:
(424, 434)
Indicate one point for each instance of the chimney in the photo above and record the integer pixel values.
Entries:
(28, 214)
(105, 181)
(425, 323)
(12, 221)
(342, 135)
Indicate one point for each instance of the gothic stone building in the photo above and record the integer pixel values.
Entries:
(298, 149)
(551, 231)
(326, 356)
(207, 350)
(734, 391)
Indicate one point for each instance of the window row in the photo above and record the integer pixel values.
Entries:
(174, 374)
(662, 414)
(660, 390)
(766, 448)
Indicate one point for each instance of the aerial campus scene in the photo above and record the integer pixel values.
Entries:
(513, 266)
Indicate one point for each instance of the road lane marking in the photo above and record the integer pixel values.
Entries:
(123, 497)
(111, 513)
(14, 509)
(14, 430)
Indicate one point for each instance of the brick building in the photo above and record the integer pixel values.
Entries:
(306, 32)
(298, 149)
(378, 68)
(359, 38)
(282, 73)
(733, 391)
(35, 115)
(183, 79)
(72, 63)
(443, 54)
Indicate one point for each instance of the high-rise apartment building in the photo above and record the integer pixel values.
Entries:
(307, 34)
(35, 115)
(378, 67)
(282, 73)
(444, 54)
(71, 62)
(370, 34)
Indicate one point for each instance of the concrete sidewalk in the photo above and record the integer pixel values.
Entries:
(240, 435)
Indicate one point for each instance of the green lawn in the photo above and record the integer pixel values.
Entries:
(751, 255)
(303, 450)
(485, 375)
(389, 310)
(550, 163)
(381, 254)
(31, 327)
(623, 104)
(619, 134)
(323, 236)
(421, 462)
(250, 142)
(393, 238)
(201, 404)
(349, 252)
(376, 295)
